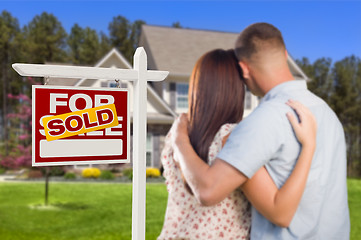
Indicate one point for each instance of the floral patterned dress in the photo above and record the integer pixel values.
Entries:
(185, 218)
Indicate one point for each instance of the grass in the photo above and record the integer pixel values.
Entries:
(97, 211)
(77, 211)
(354, 200)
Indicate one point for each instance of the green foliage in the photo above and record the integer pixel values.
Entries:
(84, 45)
(9, 53)
(2, 170)
(124, 35)
(69, 176)
(106, 175)
(55, 171)
(128, 172)
(177, 25)
(340, 86)
(45, 39)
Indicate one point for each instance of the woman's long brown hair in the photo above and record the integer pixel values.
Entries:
(216, 96)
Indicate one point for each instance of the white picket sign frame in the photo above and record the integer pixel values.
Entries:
(140, 75)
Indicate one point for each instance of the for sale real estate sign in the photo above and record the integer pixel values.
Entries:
(80, 125)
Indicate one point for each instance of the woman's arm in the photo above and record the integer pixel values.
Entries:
(280, 205)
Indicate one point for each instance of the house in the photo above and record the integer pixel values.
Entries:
(175, 50)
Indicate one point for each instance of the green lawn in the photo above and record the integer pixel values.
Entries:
(96, 210)
(354, 200)
(83, 211)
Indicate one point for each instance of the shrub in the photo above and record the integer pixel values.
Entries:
(128, 172)
(2, 170)
(53, 171)
(152, 172)
(107, 175)
(90, 173)
(69, 175)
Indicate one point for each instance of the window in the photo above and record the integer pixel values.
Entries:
(113, 84)
(248, 100)
(149, 155)
(182, 95)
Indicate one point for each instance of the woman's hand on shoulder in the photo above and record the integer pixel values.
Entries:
(179, 131)
(306, 127)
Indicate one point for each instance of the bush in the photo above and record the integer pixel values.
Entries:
(69, 176)
(2, 170)
(107, 175)
(53, 171)
(152, 172)
(128, 172)
(90, 173)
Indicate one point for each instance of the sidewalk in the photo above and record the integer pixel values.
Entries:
(5, 177)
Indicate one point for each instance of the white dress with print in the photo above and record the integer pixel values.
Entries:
(185, 218)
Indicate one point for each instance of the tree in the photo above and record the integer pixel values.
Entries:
(135, 34)
(346, 102)
(75, 40)
(177, 25)
(105, 44)
(119, 30)
(9, 51)
(45, 39)
(340, 86)
(320, 72)
(84, 45)
(125, 35)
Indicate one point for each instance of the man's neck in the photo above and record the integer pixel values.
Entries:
(275, 78)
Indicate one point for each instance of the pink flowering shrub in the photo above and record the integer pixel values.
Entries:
(19, 143)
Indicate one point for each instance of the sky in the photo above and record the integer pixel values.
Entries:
(311, 29)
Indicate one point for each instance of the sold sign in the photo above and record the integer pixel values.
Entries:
(74, 123)
(78, 125)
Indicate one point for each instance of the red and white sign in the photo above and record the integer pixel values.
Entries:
(108, 145)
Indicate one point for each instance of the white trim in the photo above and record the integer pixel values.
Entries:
(298, 69)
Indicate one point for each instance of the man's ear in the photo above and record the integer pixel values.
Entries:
(245, 69)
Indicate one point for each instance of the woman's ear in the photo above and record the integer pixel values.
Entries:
(245, 69)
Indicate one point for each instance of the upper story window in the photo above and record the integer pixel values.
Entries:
(182, 95)
(248, 99)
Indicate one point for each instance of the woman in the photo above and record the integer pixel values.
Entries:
(216, 98)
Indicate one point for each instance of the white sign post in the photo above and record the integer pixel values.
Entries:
(140, 75)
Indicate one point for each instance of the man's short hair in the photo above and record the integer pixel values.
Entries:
(258, 37)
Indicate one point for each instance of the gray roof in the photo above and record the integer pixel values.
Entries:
(177, 49)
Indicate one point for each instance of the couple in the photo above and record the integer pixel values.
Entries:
(292, 172)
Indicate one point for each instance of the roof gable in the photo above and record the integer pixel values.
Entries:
(177, 49)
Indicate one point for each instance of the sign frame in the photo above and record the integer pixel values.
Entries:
(140, 75)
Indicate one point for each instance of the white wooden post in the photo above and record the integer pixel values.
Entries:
(140, 75)
(139, 150)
